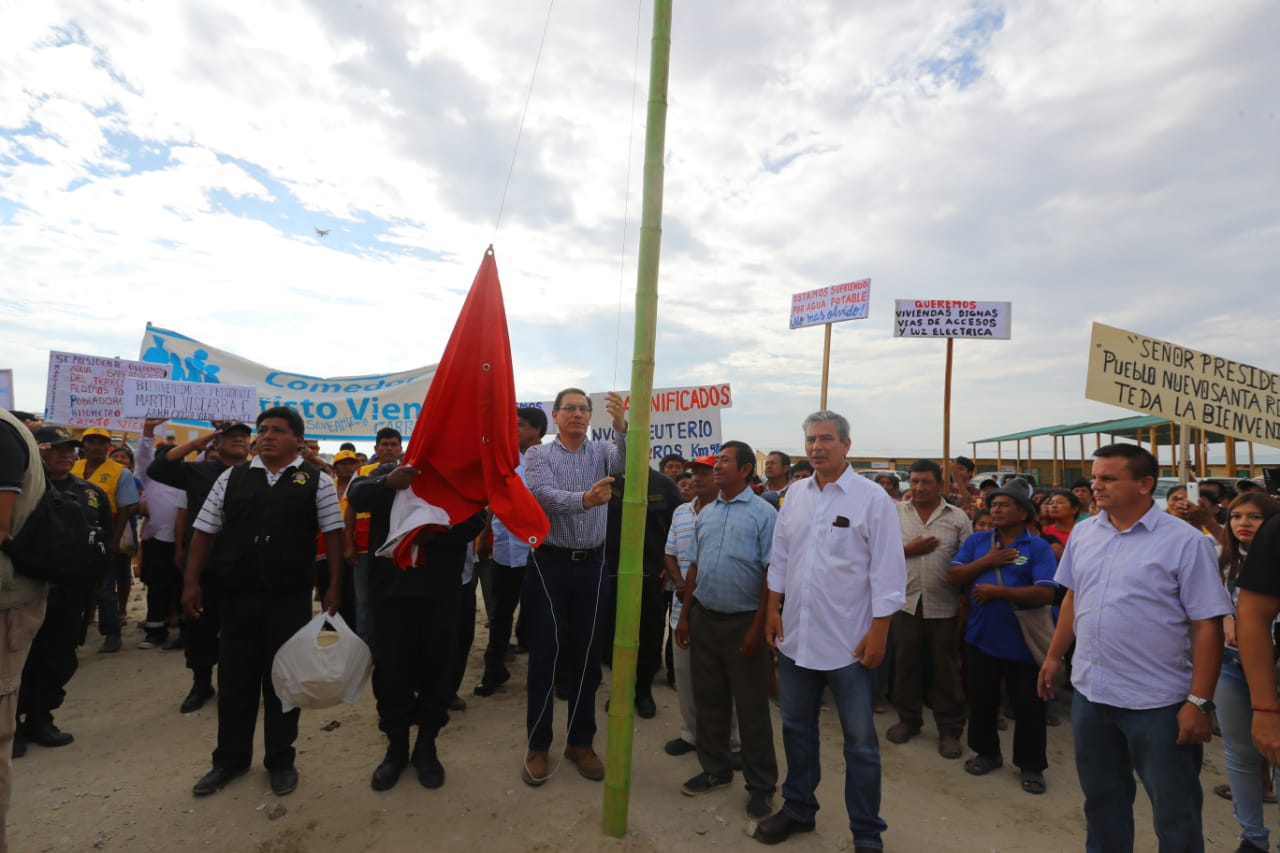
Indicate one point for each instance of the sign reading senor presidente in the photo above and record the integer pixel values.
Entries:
(950, 318)
(833, 304)
(1184, 385)
(342, 407)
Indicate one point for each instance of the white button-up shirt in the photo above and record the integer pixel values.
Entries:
(837, 557)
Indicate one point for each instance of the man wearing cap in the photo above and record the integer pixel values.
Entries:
(932, 532)
(117, 481)
(564, 590)
(257, 530)
(22, 599)
(1009, 568)
(510, 556)
(52, 661)
(196, 479)
(676, 561)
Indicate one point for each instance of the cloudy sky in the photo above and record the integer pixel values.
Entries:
(1119, 162)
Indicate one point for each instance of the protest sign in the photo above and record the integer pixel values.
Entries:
(343, 407)
(6, 389)
(681, 420)
(199, 401)
(951, 318)
(1187, 386)
(834, 304)
(88, 390)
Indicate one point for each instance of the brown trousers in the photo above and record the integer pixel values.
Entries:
(18, 627)
(912, 634)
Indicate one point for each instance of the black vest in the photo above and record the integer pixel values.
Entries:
(268, 538)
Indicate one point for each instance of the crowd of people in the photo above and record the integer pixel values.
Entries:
(804, 584)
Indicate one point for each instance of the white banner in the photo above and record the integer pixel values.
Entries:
(951, 318)
(88, 390)
(834, 304)
(343, 407)
(682, 420)
(198, 401)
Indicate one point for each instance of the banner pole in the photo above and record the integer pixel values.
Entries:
(946, 419)
(826, 365)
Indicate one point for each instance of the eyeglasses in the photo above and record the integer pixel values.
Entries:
(586, 410)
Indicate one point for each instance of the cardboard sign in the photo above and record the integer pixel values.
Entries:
(951, 318)
(834, 304)
(682, 420)
(1187, 386)
(198, 401)
(88, 390)
(344, 407)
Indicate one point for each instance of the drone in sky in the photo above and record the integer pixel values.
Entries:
(323, 232)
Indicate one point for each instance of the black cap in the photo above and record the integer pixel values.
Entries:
(228, 426)
(1019, 497)
(55, 436)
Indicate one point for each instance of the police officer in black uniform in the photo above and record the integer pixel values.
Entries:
(200, 637)
(257, 530)
(415, 624)
(52, 660)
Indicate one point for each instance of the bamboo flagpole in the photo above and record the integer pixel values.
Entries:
(826, 366)
(946, 420)
(617, 779)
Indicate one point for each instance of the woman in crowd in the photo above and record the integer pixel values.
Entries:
(1249, 773)
(1063, 508)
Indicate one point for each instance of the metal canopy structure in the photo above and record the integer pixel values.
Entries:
(1150, 431)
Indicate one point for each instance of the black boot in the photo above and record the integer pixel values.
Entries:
(427, 763)
(19, 743)
(388, 772)
(201, 691)
(41, 730)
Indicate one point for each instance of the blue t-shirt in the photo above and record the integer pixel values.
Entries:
(992, 628)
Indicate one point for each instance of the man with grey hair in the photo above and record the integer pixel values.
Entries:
(836, 577)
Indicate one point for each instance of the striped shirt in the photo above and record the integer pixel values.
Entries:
(679, 539)
(327, 513)
(559, 477)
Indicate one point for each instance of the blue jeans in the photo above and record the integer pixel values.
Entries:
(1111, 744)
(1244, 764)
(109, 601)
(854, 691)
(563, 603)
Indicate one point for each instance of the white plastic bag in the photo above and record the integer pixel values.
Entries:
(309, 674)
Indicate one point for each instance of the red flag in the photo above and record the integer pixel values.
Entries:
(464, 443)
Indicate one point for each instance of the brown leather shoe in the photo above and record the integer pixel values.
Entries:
(589, 764)
(534, 771)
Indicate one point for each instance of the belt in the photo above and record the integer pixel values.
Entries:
(576, 554)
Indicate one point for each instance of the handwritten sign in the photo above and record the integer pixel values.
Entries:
(681, 420)
(88, 390)
(834, 304)
(950, 318)
(196, 401)
(1156, 377)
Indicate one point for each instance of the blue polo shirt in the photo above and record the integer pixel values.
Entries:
(992, 628)
(731, 544)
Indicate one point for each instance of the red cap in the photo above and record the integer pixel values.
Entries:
(709, 461)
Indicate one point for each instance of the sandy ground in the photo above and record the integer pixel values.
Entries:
(125, 784)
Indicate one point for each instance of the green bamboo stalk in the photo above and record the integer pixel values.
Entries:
(617, 780)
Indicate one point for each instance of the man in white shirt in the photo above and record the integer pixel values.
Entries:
(837, 576)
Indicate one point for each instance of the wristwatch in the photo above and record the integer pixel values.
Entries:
(1206, 706)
